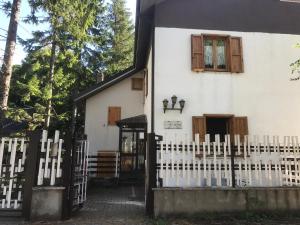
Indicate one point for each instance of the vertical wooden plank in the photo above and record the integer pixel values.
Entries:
(1, 154)
(260, 173)
(183, 158)
(270, 173)
(215, 171)
(47, 160)
(231, 173)
(178, 161)
(225, 159)
(194, 160)
(59, 158)
(24, 148)
(12, 171)
(172, 156)
(161, 172)
(245, 160)
(250, 161)
(54, 156)
(240, 176)
(199, 161)
(256, 166)
(204, 160)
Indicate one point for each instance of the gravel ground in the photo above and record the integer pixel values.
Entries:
(125, 206)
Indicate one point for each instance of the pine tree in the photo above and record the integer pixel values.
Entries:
(120, 55)
(69, 21)
(94, 52)
(30, 90)
(6, 69)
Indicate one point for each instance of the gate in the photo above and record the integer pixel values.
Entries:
(12, 167)
(75, 175)
(37, 160)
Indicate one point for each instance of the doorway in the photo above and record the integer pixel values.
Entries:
(217, 125)
(132, 148)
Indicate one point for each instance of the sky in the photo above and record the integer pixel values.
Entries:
(24, 30)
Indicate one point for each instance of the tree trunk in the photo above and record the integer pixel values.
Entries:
(6, 69)
(51, 79)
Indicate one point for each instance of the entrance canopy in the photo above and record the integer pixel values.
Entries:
(137, 122)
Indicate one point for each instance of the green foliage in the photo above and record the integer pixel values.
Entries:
(121, 36)
(5, 6)
(30, 89)
(91, 37)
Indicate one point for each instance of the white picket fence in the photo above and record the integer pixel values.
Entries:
(258, 162)
(50, 160)
(12, 161)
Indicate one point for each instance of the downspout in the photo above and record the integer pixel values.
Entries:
(152, 82)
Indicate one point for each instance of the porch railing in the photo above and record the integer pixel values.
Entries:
(235, 162)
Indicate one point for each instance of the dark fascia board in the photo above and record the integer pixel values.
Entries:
(105, 84)
(268, 16)
(147, 4)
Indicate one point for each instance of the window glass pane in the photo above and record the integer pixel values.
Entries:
(208, 53)
(221, 55)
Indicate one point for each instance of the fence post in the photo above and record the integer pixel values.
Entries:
(31, 169)
(67, 178)
(150, 173)
(232, 155)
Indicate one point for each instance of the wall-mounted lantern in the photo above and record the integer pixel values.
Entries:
(173, 101)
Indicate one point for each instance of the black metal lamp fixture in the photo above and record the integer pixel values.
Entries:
(173, 101)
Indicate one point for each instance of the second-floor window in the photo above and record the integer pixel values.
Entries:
(218, 53)
(215, 53)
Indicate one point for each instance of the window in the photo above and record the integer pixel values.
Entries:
(137, 84)
(219, 124)
(114, 115)
(217, 53)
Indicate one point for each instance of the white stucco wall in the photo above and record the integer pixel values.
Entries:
(263, 93)
(100, 135)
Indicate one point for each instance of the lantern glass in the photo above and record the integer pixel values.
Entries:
(174, 100)
(182, 103)
(165, 103)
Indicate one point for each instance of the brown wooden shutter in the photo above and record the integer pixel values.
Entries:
(239, 125)
(114, 115)
(236, 56)
(199, 127)
(197, 53)
(137, 84)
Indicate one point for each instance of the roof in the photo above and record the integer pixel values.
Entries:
(133, 122)
(143, 31)
(8, 126)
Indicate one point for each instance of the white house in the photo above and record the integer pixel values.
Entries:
(228, 60)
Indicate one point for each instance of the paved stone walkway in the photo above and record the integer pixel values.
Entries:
(105, 206)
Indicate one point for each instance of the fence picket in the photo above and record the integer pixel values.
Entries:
(261, 164)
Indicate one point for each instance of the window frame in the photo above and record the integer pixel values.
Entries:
(110, 110)
(215, 38)
(140, 80)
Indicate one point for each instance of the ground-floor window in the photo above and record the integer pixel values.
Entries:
(219, 124)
